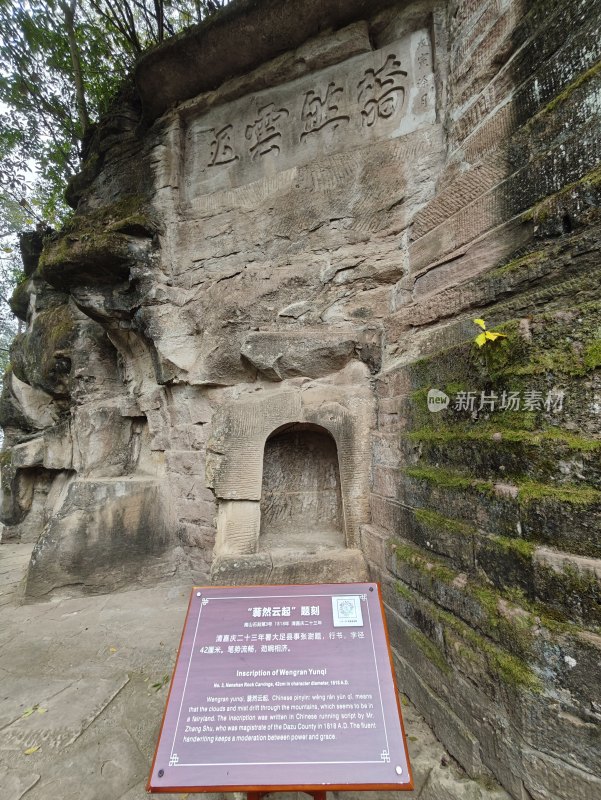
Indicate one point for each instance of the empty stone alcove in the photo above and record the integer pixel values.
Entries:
(290, 472)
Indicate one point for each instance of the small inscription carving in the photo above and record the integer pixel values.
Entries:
(320, 112)
(423, 54)
(222, 151)
(381, 92)
(264, 132)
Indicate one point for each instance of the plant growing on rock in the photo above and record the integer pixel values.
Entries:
(486, 335)
(487, 343)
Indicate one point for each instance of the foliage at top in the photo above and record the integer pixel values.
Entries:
(61, 61)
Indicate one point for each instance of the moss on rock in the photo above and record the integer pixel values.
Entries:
(19, 301)
(97, 247)
(435, 520)
(42, 356)
(448, 479)
(529, 491)
(432, 652)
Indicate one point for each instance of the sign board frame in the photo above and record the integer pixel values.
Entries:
(354, 598)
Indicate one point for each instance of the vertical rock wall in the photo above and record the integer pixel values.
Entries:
(290, 225)
(485, 514)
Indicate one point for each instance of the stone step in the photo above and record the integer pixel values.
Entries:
(565, 517)
(485, 450)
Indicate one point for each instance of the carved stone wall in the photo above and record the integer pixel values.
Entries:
(240, 432)
(290, 224)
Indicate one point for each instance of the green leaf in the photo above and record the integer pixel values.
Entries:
(480, 339)
(481, 323)
(159, 684)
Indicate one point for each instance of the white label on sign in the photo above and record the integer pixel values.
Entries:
(347, 611)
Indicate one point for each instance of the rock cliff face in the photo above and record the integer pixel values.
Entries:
(281, 239)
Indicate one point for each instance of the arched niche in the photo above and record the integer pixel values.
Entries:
(301, 498)
(245, 431)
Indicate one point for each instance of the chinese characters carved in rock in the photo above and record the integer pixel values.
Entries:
(264, 133)
(317, 113)
(382, 92)
(380, 95)
(375, 96)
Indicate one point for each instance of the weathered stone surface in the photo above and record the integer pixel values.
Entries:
(263, 286)
(310, 352)
(238, 525)
(549, 778)
(65, 717)
(569, 583)
(28, 454)
(17, 783)
(106, 534)
(447, 726)
(443, 784)
(25, 407)
(285, 566)
(30, 245)
(347, 111)
(42, 357)
(19, 301)
(301, 501)
(260, 33)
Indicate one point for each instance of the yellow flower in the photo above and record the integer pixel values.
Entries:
(486, 336)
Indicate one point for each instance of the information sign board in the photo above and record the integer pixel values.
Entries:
(283, 687)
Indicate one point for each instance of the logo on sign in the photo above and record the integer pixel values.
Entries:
(437, 400)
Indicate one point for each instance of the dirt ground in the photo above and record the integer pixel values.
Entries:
(84, 683)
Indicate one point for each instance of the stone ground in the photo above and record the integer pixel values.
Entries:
(83, 684)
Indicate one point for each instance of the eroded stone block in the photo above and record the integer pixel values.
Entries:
(105, 534)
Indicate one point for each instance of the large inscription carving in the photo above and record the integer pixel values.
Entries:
(382, 91)
(379, 95)
(318, 111)
(264, 133)
(222, 151)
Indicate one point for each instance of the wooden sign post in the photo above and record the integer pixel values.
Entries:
(283, 688)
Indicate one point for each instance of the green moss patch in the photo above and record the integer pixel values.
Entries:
(505, 614)
(519, 547)
(546, 207)
(568, 91)
(19, 301)
(430, 650)
(512, 670)
(592, 355)
(447, 479)
(484, 432)
(528, 491)
(518, 264)
(42, 356)
(95, 247)
(429, 567)
(433, 519)
(403, 591)
(571, 591)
